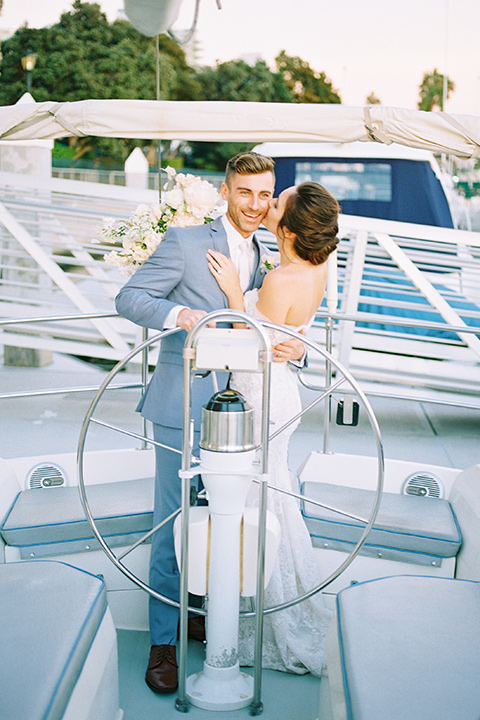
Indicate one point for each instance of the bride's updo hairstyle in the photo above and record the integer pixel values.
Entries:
(312, 214)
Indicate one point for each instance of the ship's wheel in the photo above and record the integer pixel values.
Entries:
(342, 376)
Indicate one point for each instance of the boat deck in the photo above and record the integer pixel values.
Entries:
(425, 432)
(283, 695)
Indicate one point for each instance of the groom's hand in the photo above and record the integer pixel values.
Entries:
(187, 318)
(292, 350)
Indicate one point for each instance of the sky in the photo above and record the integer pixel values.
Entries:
(363, 46)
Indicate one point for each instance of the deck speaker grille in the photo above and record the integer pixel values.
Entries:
(423, 484)
(45, 475)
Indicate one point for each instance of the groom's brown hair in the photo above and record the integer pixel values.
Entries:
(249, 163)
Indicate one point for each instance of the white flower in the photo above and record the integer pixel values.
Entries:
(269, 262)
(200, 198)
(141, 210)
(187, 201)
(152, 240)
(156, 212)
(186, 220)
(174, 198)
(181, 180)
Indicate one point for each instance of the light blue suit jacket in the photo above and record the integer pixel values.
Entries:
(177, 274)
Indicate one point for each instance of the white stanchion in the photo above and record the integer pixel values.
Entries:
(332, 282)
(221, 685)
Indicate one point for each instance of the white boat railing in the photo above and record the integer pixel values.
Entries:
(408, 304)
(408, 295)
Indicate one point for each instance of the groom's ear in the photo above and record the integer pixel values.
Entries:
(224, 191)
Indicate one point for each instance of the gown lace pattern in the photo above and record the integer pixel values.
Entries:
(294, 638)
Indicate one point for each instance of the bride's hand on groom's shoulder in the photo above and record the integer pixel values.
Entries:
(225, 273)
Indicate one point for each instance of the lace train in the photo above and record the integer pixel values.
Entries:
(293, 638)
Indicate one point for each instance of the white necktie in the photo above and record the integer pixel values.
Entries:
(244, 257)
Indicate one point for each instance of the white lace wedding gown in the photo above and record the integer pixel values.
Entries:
(293, 638)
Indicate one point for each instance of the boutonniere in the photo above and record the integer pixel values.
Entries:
(269, 262)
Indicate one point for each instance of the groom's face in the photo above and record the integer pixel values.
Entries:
(248, 200)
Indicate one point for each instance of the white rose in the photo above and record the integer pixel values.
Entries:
(140, 255)
(200, 198)
(142, 210)
(156, 212)
(183, 220)
(128, 241)
(152, 240)
(174, 198)
(121, 263)
(181, 180)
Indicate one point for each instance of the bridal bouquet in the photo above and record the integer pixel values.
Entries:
(187, 200)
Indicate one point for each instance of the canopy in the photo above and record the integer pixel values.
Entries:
(243, 122)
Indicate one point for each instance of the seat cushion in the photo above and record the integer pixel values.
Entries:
(407, 528)
(49, 615)
(410, 648)
(50, 521)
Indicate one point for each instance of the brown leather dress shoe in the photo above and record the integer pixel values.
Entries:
(196, 628)
(162, 672)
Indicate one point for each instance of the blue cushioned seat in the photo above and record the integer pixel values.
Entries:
(407, 528)
(52, 521)
(410, 648)
(49, 615)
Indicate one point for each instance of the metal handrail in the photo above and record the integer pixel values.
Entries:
(378, 319)
(321, 315)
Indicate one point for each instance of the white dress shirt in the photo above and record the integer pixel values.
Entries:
(242, 254)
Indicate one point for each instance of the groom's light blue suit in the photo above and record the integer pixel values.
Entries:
(175, 274)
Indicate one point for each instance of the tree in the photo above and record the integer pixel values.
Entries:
(235, 80)
(372, 99)
(305, 84)
(292, 81)
(84, 56)
(432, 89)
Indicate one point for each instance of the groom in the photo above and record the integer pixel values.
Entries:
(174, 288)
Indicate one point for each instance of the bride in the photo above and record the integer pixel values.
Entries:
(304, 220)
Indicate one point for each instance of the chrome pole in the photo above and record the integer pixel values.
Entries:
(332, 304)
(256, 706)
(328, 382)
(144, 382)
(158, 96)
(181, 703)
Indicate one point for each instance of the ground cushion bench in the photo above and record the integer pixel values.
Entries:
(407, 528)
(46, 522)
(408, 647)
(58, 652)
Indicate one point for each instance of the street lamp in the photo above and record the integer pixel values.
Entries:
(28, 63)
